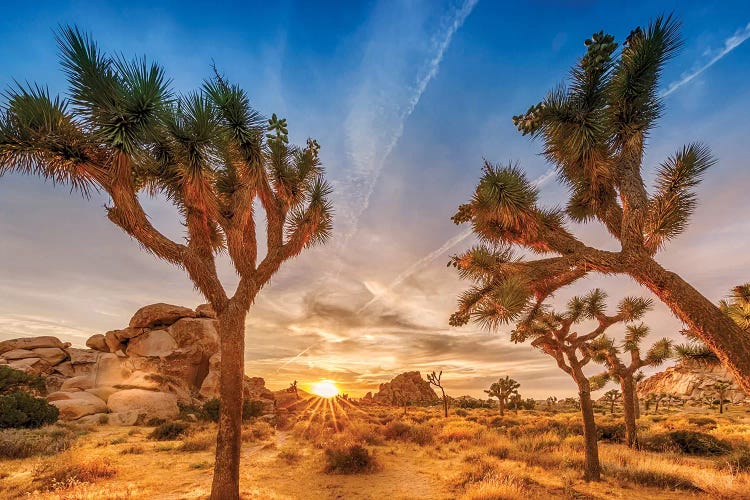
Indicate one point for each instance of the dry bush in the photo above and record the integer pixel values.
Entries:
(535, 443)
(133, 450)
(460, 430)
(289, 454)
(23, 443)
(257, 431)
(195, 444)
(497, 487)
(349, 459)
(67, 472)
(684, 441)
(169, 431)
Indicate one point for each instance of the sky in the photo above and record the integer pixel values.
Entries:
(406, 98)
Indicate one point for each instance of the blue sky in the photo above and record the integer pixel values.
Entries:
(406, 98)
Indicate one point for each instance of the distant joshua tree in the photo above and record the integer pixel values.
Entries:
(594, 132)
(554, 334)
(551, 402)
(434, 379)
(503, 389)
(721, 389)
(515, 402)
(125, 133)
(293, 388)
(611, 397)
(605, 351)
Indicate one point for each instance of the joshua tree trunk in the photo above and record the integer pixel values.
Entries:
(636, 402)
(629, 402)
(593, 468)
(445, 402)
(502, 406)
(229, 438)
(721, 405)
(730, 343)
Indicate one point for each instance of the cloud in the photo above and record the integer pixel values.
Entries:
(730, 44)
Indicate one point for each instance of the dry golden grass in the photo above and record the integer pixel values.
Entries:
(477, 456)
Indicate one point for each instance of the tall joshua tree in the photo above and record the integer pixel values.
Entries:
(434, 379)
(594, 133)
(721, 389)
(607, 352)
(503, 389)
(554, 334)
(123, 132)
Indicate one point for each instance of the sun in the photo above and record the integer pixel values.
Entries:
(325, 389)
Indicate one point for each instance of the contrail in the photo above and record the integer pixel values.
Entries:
(366, 185)
(730, 44)
(292, 360)
(409, 271)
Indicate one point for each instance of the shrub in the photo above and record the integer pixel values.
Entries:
(351, 459)
(257, 431)
(614, 433)
(193, 445)
(251, 409)
(66, 473)
(15, 380)
(461, 412)
(169, 431)
(689, 442)
(23, 443)
(289, 454)
(738, 461)
(133, 450)
(397, 430)
(20, 410)
(210, 409)
(707, 422)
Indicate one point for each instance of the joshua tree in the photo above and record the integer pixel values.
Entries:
(515, 402)
(607, 352)
(553, 333)
(123, 132)
(611, 397)
(594, 133)
(293, 388)
(721, 389)
(738, 306)
(503, 389)
(434, 379)
(551, 401)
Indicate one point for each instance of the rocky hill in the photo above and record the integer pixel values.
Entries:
(167, 355)
(407, 387)
(691, 381)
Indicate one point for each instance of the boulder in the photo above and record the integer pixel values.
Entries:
(80, 383)
(81, 356)
(31, 343)
(196, 332)
(156, 343)
(693, 381)
(29, 365)
(19, 354)
(140, 380)
(124, 418)
(113, 341)
(210, 387)
(52, 355)
(102, 392)
(79, 405)
(206, 311)
(151, 404)
(111, 370)
(407, 387)
(65, 369)
(159, 315)
(97, 343)
(59, 395)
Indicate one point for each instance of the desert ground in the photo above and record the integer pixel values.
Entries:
(310, 451)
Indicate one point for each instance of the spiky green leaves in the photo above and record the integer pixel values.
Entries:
(633, 308)
(119, 100)
(659, 352)
(674, 202)
(738, 306)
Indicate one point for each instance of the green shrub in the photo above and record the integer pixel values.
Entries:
(210, 410)
(614, 433)
(352, 459)
(251, 409)
(461, 412)
(20, 410)
(15, 380)
(169, 431)
(688, 442)
(23, 443)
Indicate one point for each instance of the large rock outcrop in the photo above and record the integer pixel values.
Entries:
(406, 388)
(168, 355)
(692, 381)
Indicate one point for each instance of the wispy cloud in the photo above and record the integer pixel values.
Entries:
(375, 129)
(730, 44)
(416, 266)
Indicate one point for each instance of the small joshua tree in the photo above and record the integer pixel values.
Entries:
(434, 379)
(607, 352)
(503, 389)
(293, 388)
(554, 334)
(611, 397)
(721, 389)
(515, 402)
(551, 402)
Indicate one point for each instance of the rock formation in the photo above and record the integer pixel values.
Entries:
(168, 355)
(406, 388)
(692, 381)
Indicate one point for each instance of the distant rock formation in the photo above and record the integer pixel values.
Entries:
(405, 388)
(168, 355)
(692, 381)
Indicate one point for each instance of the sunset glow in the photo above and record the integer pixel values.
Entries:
(325, 389)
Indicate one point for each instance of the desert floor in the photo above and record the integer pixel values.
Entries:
(473, 454)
